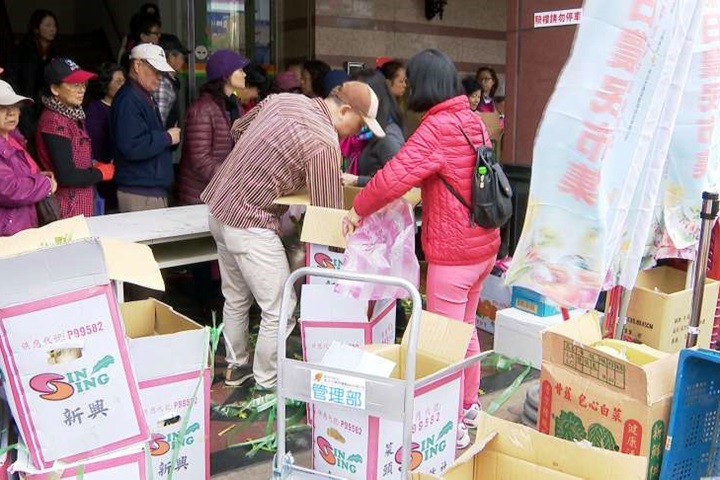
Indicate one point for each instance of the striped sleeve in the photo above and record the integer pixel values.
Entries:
(324, 179)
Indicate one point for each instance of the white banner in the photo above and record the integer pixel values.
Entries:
(591, 164)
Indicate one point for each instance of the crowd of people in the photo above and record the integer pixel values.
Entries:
(104, 142)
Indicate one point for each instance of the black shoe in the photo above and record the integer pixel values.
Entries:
(238, 376)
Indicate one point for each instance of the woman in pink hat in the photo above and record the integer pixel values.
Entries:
(22, 185)
(62, 141)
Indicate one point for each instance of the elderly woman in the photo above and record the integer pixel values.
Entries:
(22, 185)
(62, 141)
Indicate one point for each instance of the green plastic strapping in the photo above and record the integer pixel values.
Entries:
(501, 362)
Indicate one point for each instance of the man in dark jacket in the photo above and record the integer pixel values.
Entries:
(140, 143)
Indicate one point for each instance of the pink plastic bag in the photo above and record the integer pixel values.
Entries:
(383, 244)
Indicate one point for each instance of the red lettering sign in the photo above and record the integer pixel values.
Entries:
(711, 27)
(710, 66)
(643, 11)
(610, 97)
(632, 438)
(581, 182)
(592, 140)
(545, 407)
(629, 51)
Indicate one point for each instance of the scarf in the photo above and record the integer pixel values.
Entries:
(74, 113)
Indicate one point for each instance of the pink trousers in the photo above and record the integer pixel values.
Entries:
(454, 292)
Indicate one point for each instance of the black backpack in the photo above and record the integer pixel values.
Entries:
(491, 195)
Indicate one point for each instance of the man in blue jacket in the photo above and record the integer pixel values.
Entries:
(141, 145)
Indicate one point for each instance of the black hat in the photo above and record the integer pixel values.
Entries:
(61, 70)
(171, 43)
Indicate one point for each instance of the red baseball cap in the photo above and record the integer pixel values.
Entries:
(64, 70)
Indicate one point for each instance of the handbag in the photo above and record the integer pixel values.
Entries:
(48, 210)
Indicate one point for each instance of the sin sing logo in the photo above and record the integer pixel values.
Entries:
(323, 260)
(161, 444)
(54, 387)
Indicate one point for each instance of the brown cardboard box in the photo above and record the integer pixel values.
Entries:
(588, 394)
(508, 451)
(659, 310)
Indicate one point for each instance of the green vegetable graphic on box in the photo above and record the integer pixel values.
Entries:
(601, 437)
(355, 458)
(569, 426)
(104, 362)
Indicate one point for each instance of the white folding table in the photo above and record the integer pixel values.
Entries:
(177, 236)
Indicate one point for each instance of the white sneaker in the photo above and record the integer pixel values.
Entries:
(471, 416)
(463, 437)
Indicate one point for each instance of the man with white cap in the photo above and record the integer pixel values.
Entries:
(287, 143)
(141, 145)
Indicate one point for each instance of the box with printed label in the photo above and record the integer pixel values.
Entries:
(351, 444)
(69, 380)
(532, 302)
(616, 395)
(659, 309)
(170, 354)
(326, 316)
(495, 296)
(127, 464)
(504, 450)
(7, 455)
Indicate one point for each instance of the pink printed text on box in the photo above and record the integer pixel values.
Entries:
(69, 381)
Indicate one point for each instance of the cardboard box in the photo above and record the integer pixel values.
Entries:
(495, 296)
(170, 354)
(69, 380)
(128, 464)
(659, 309)
(532, 302)
(7, 456)
(349, 443)
(326, 316)
(508, 451)
(588, 394)
(518, 334)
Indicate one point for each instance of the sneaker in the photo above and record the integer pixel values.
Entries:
(237, 376)
(471, 416)
(463, 437)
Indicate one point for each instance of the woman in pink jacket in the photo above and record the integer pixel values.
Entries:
(460, 256)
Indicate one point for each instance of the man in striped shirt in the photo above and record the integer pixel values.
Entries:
(287, 143)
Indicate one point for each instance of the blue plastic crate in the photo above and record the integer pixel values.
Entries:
(692, 448)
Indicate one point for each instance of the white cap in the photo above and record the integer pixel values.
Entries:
(153, 54)
(9, 97)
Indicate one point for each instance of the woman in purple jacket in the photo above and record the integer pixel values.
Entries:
(22, 184)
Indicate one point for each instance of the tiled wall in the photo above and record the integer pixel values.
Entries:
(472, 32)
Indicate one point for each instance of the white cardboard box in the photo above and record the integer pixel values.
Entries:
(127, 464)
(69, 381)
(351, 444)
(326, 316)
(170, 354)
(518, 334)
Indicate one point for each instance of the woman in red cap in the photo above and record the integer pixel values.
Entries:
(62, 141)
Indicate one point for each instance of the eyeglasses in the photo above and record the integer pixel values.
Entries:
(484, 79)
(9, 109)
(155, 33)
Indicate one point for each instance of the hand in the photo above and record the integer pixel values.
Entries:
(53, 184)
(351, 222)
(174, 135)
(106, 169)
(349, 179)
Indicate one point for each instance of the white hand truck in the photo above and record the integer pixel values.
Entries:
(386, 398)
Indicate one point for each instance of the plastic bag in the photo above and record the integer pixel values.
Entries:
(383, 244)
